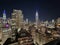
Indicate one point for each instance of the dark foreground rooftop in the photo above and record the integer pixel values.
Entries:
(54, 42)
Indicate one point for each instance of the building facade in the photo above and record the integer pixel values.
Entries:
(37, 18)
(17, 18)
(25, 38)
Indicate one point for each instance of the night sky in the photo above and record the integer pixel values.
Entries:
(47, 9)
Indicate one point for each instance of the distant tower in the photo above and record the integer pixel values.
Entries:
(52, 20)
(4, 17)
(37, 18)
(27, 21)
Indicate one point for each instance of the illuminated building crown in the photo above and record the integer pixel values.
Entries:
(4, 15)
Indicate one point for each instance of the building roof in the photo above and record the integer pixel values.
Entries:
(54, 42)
(23, 33)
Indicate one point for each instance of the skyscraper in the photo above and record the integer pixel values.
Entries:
(27, 21)
(58, 23)
(17, 16)
(37, 18)
(4, 16)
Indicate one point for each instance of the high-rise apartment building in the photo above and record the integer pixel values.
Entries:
(16, 21)
(58, 23)
(17, 18)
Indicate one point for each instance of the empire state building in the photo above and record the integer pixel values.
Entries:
(4, 16)
(37, 18)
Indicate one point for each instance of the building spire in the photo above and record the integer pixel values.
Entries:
(36, 13)
(4, 11)
(36, 18)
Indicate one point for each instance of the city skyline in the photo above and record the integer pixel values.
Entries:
(47, 9)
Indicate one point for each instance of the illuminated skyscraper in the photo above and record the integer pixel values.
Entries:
(27, 21)
(58, 23)
(37, 18)
(58, 20)
(4, 16)
(17, 18)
